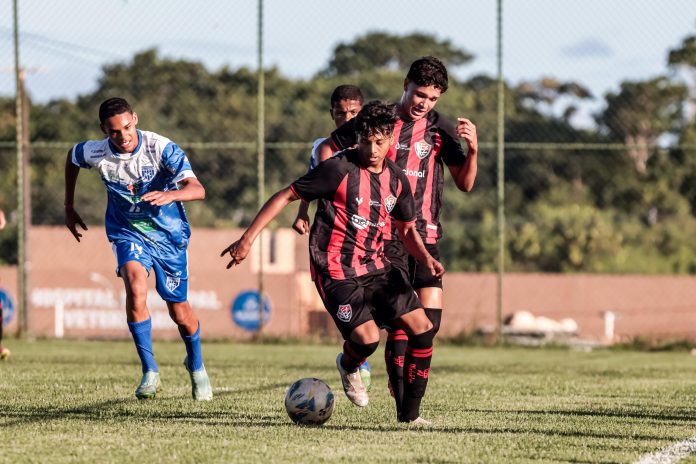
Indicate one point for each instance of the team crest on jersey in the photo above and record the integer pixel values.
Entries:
(389, 203)
(147, 173)
(344, 313)
(422, 149)
(172, 282)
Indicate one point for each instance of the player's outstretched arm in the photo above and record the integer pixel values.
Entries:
(414, 245)
(72, 219)
(240, 249)
(301, 224)
(192, 190)
(465, 175)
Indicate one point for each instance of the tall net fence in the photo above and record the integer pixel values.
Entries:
(599, 117)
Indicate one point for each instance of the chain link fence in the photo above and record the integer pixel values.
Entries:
(599, 152)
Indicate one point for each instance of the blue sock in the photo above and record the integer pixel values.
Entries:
(193, 350)
(142, 336)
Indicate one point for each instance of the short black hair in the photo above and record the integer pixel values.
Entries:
(112, 107)
(346, 92)
(427, 71)
(376, 118)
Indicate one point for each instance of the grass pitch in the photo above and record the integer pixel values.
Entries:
(72, 401)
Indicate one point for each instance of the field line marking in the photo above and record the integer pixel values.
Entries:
(671, 454)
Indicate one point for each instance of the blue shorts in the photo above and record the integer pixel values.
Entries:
(171, 272)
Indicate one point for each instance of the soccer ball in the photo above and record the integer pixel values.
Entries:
(309, 401)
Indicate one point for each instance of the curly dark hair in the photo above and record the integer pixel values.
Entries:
(427, 71)
(376, 117)
(112, 107)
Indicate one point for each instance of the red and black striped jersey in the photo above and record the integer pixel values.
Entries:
(421, 149)
(354, 210)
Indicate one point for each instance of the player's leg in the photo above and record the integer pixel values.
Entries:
(172, 285)
(133, 266)
(419, 352)
(428, 288)
(345, 301)
(408, 315)
(395, 347)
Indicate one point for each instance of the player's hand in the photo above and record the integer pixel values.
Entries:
(467, 130)
(301, 224)
(72, 220)
(157, 198)
(436, 268)
(238, 252)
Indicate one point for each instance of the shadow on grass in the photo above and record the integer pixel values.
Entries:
(128, 409)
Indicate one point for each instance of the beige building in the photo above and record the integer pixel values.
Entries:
(74, 292)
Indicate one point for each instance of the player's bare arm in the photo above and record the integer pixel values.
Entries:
(72, 219)
(240, 249)
(414, 245)
(3, 222)
(192, 190)
(465, 175)
(325, 150)
(301, 224)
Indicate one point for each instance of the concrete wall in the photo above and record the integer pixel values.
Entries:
(80, 278)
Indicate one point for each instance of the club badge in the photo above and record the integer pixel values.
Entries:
(344, 313)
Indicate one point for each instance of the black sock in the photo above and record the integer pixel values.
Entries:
(419, 353)
(435, 315)
(394, 352)
(354, 354)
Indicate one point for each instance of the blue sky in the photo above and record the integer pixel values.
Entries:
(599, 43)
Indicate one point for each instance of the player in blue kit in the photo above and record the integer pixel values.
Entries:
(147, 177)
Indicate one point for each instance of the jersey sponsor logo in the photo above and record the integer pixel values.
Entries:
(147, 173)
(422, 149)
(358, 200)
(411, 173)
(344, 313)
(144, 225)
(400, 146)
(389, 203)
(375, 203)
(361, 223)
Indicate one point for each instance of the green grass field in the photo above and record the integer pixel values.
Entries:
(67, 401)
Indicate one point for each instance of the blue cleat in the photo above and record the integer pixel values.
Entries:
(366, 375)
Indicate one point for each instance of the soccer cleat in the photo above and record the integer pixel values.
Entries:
(366, 375)
(149, 386)
(201, 390)
(4, 353)
(420, 421)
(352, 384)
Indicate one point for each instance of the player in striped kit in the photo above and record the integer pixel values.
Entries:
(147, 177)
(360, 194)
(424, 142)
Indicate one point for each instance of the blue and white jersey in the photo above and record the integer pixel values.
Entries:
(157, 164)
(314, 157)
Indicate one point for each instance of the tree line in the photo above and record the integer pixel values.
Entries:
(627, 205)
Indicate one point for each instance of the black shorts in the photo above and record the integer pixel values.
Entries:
(380, 297)
(419, 276)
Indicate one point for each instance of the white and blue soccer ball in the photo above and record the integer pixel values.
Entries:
(309, 401)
